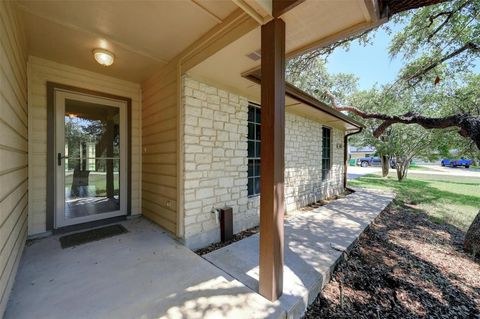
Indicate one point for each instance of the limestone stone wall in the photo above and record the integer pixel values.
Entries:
(215, 174)
(303, 162)
(215, 162)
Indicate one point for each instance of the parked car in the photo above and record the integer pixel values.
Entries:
(459, 162)
(393, 163)
(369, 161)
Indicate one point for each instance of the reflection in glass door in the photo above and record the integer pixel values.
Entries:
(90, 158)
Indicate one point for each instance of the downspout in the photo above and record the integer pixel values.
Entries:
(345, 154)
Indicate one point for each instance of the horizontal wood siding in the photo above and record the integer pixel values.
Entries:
(159, 137)
(40, 71)
(13, 148)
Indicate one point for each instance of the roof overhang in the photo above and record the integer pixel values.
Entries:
(302, 103)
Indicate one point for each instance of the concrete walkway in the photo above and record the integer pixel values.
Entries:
(314, 242)
(141, 274)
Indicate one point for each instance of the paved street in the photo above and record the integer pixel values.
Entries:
(357, 171)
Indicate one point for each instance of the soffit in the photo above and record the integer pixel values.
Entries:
(310, 24)
(318, 116)
(142, 34)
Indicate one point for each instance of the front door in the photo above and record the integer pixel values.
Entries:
(91, 171)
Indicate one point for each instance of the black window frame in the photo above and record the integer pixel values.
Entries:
(326, 152)
(253, 155)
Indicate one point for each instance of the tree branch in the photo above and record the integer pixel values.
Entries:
(449, 15)
(467, 46)
(391, 7)
(469, 125)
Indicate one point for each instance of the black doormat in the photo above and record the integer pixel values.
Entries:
(92, 235)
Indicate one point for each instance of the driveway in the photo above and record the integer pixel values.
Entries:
(439, 170)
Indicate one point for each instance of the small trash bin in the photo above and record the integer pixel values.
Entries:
(352, 162)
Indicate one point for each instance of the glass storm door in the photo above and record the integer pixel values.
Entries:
(90, 158)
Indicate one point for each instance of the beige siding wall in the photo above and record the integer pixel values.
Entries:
(39, 72)
(13, 148)
(159, 136)
(215, 168)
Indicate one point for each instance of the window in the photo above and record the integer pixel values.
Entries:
(325, 152)
(253, 150)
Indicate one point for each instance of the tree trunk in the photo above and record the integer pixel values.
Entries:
(385, 165)
(472, 238)
(402, 168)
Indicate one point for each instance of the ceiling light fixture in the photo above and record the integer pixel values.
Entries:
(103, 57)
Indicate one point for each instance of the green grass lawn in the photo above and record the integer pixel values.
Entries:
(423, 168)
(98, 180)
(446, 199)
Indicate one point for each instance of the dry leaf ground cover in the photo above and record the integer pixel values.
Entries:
(410, 263)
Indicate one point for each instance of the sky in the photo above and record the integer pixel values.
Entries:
(371, 63)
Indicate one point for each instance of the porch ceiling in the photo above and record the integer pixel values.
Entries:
(143, 35)
(309, 25)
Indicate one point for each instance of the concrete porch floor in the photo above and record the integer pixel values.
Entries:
(147, 274)
(314, 244)
(141, 274)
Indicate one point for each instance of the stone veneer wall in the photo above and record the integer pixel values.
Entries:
(303, 162)
(215, 168)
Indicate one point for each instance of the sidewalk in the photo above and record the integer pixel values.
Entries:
(314, 243)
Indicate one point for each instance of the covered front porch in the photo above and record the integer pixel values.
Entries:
(145, 273)
(49, 57)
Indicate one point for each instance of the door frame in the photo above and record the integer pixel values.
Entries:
(52, 88)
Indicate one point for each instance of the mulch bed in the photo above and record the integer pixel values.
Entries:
(239, 236)
(404, 266)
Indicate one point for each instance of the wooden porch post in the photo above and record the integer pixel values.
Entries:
(272, 205)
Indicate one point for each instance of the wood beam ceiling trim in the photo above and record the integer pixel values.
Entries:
(207, 11)
(232, 28)
(280, 7)
(265, 10)
(251, 11)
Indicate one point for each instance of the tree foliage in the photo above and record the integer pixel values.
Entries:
(439, 45)
(441, 40)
